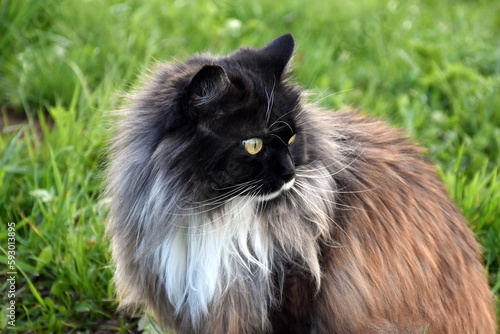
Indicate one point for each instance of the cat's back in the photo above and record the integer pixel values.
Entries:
(406, 251)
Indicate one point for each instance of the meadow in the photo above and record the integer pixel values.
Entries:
(429, 67)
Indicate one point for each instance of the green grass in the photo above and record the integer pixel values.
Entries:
(431, 67)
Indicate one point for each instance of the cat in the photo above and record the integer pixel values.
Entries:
(238, 207)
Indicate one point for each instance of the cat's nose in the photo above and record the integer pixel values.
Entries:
(286, 167)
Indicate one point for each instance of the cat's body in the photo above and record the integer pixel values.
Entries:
(238, 208)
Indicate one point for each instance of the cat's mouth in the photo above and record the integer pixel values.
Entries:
(267, 197)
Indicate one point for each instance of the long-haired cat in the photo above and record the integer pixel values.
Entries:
(237, 207)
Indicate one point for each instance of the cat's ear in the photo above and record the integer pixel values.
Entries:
(278, 53)
(207, 86)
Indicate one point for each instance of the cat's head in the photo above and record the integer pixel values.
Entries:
(227, 126)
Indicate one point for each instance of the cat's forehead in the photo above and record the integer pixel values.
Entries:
(244, 118)
(250, 107)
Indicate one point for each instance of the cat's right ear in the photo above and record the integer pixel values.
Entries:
(207, 86)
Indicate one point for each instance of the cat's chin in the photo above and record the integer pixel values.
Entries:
(267, 197)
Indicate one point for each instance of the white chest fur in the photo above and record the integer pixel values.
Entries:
(203, 258)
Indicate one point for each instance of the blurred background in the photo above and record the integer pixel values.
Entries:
(430, 67)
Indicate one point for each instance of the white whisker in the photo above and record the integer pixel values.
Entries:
(270, 102)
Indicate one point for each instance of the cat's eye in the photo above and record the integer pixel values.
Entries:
(292, 139)
(253, 145)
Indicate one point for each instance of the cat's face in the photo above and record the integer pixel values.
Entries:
(248, 138)
(244, 137)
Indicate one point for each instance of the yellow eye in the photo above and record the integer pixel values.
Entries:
(292, 139)
(253, 145)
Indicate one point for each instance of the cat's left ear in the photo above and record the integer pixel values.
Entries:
(207, 86)
(278, 53)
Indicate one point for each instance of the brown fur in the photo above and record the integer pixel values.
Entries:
(407, 260)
